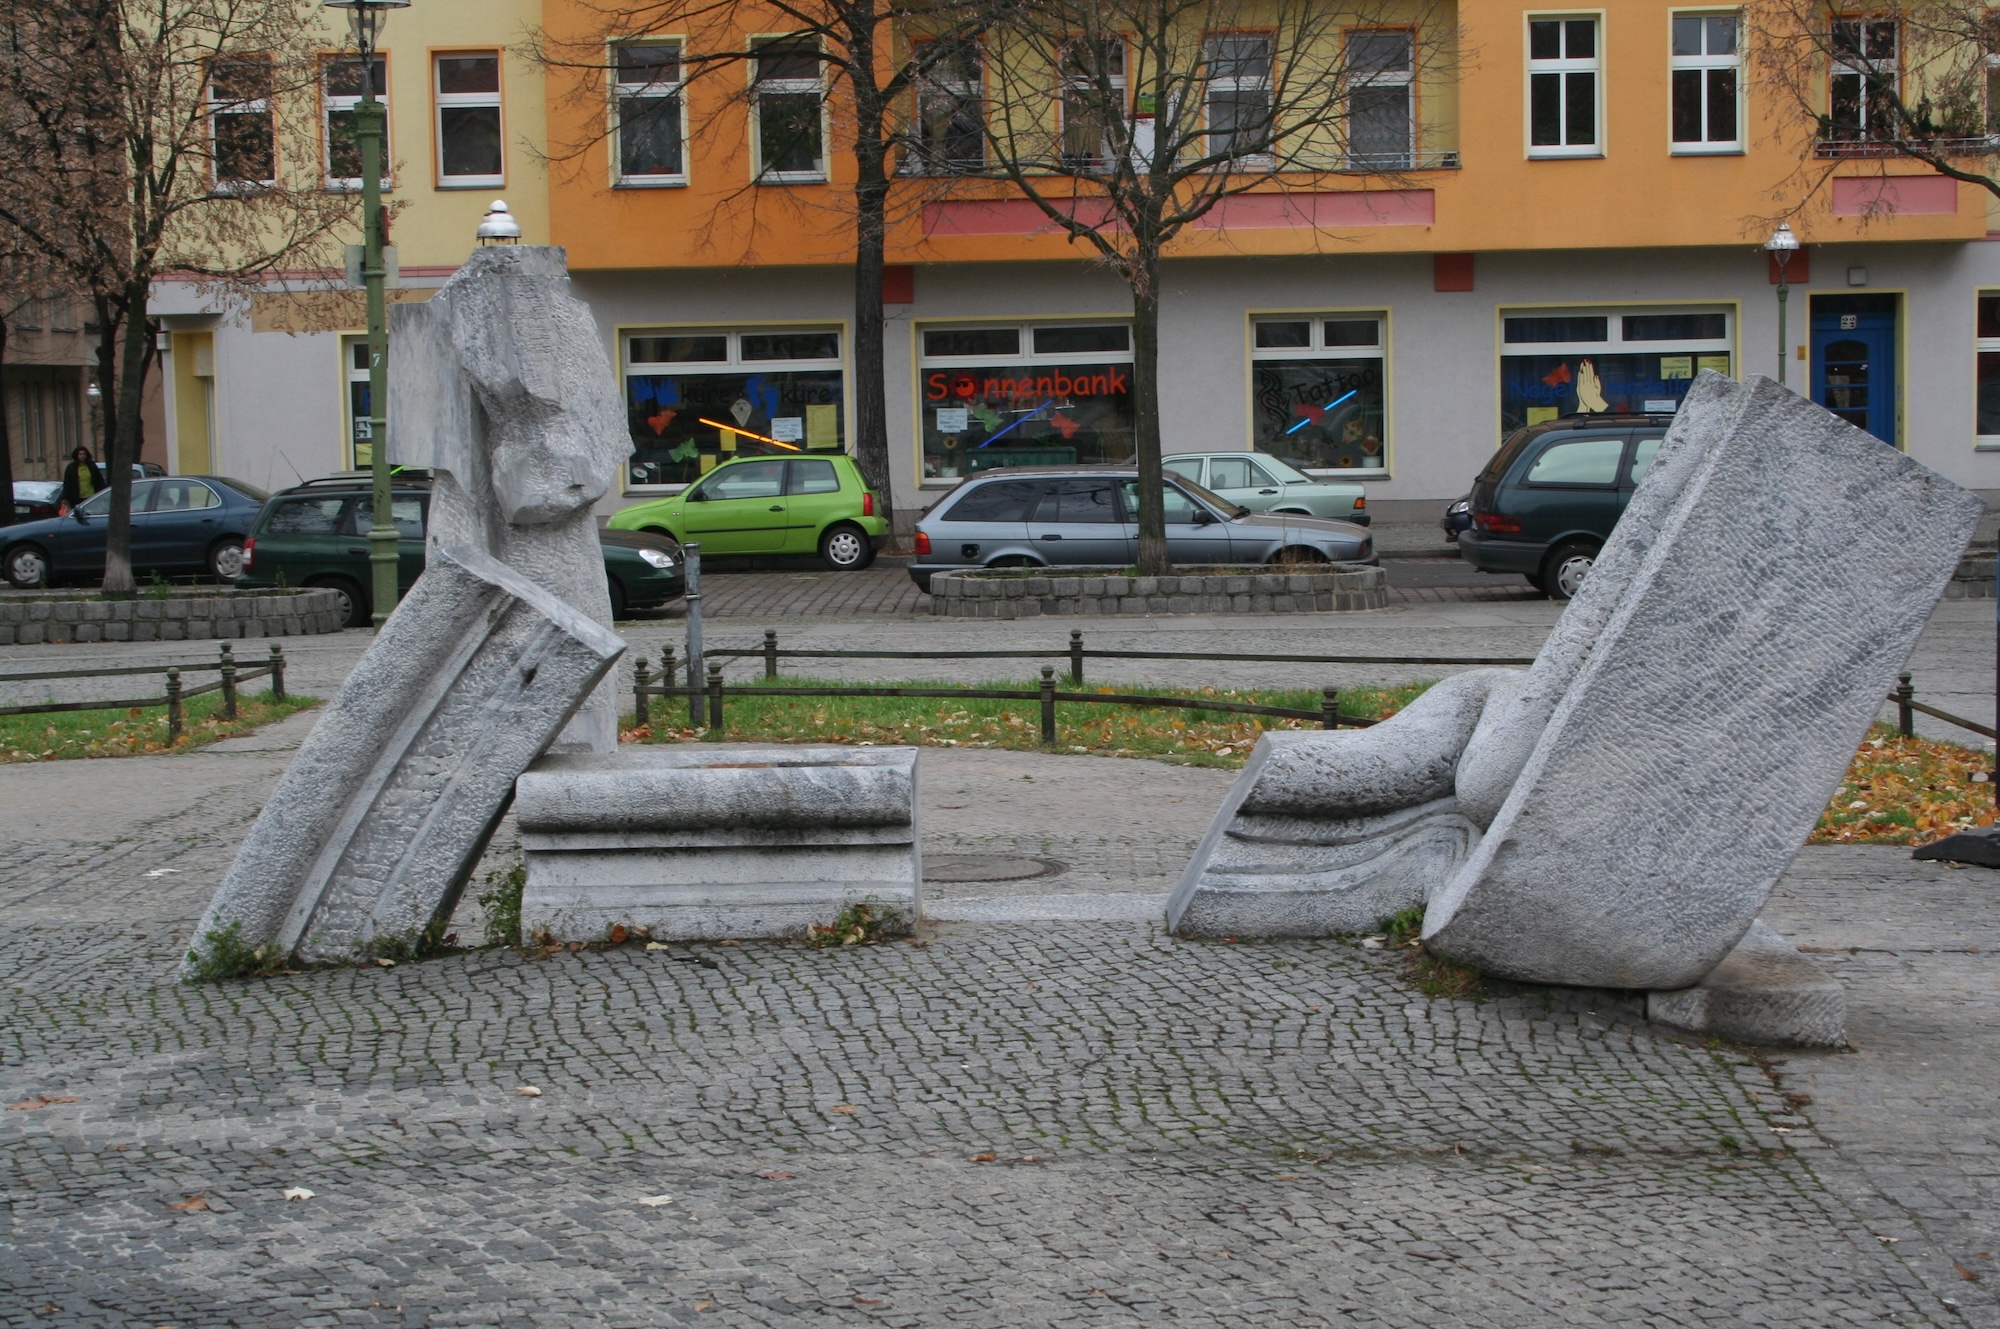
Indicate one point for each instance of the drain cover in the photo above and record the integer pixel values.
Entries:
(986, 867)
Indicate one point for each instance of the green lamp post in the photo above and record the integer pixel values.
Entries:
(370, 119)
(1781, 246)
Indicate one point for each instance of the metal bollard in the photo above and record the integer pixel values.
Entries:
(228, 682)
(691, 563)
(278, 673)
(175, 716)
(770, 653)
(715, 699)
(1329, 708)
(669, 671)
(640, 677)
(1906, 719)
(1048, 706)
(1076, 656)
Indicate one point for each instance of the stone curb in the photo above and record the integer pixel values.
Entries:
(1098, 592)
(36, 617)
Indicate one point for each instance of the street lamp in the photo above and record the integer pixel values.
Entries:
(498, 225)
(1781, 246)
(367, 17)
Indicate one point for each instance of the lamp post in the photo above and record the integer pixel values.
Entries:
(369, 123)
(1781, 246)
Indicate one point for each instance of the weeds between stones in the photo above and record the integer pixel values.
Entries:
(503, 907)
(862, 924)
(222, 955)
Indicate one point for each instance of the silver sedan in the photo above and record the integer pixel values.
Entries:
(1087, 516)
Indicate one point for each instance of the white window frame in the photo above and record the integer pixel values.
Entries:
(657, 90)
(1318, 349)
(441, 101)
(1705, 63)
(733, 363)
(1982, 345)
(1405, 78)
(1065, 82)
(761, 87)
(1563, 67)
(1262, 82)
(1614, 342)
(250, 106)
(331, 105)
(1865, 68)
(353, 347)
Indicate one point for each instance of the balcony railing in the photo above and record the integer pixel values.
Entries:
(1843, 149)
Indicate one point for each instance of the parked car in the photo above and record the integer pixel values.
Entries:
(1547, 501)
(37, 499)
(1088, 515)
(1457, 519)
(773, 505)
(316, 534)
(1263, 483)
(180, 524)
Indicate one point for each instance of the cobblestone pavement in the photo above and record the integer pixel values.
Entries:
(1009, 1123)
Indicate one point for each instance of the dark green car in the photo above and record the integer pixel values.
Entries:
(316, 534)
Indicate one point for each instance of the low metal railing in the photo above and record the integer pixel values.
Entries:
(177, 694)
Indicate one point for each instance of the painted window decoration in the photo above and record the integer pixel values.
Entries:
(788, 102)
(1988, 401)
(344, 85)
(467, 87)
(1594, 362)
(1024, 395)
(243, 139)
(648, 102)
(1317, 390)
(696, 396)
(1705, 71)
(1563, 68)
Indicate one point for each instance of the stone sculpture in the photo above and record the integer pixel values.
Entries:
(371, 833)
(710, 843)
(1617, 815)
(500, 384)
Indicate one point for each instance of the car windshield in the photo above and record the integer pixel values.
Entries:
(1287, 472)
(1213, 499)
(40, 491)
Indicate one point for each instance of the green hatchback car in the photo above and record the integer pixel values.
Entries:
(773, 505)
(316, 534)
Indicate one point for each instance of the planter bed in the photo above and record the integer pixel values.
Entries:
(198, 613)
(1111, 592)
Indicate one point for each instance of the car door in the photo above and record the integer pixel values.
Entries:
(174, 534)
(308, 536)
(1243, 481)
(813, 502)
(1571, 486)
(739, 508)
(406, 514)
(1196, 537)
(1078, 523)
(76, 549)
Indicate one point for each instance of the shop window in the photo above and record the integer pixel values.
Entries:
(1025, 396)
(1988, 388)
(1706, 72)
(694, 398)
(788, 111)
(466, 86)
(354, 356)
(1238, 97)
(1600, 362)
(649, 114)
(1381, 108)
(1317, 391)
(949, 137)
(1863, 88)
(243, 141)
(1092, 84)
(343, 83)
(1564, 63)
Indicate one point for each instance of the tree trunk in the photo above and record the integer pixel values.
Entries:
(6, 442)
(118, 580)
(110, 326)
(1145, 281)
(871, 196)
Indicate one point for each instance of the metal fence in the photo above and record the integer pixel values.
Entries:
(176, 694)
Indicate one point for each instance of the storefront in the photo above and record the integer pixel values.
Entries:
(694, 396)
(1023, 395)
(1319, 391)
(1590, 361)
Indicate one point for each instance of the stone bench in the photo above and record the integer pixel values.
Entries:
(199, 614)
(1109, 592)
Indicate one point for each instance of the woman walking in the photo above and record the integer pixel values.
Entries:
(81, 478)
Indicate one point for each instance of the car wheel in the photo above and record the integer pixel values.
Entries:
(1296, 556)
(845, 548)
(1014, 561)
(1566, 567)
(27, 566)
(225, 558)
(1290, 512)
(353, 604)
(617, 599)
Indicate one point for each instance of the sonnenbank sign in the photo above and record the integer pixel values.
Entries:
(945, 385)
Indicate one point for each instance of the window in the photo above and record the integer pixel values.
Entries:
(307, 516)
(695, 397)
(178, 495)
(950, 135)
(1238, 106)
(812, 477)
(242, 136)
(1563, 65)
(1093, 83)
(1862, 89)
(1316, 390)
(467, 88)
(355, 357)
(1582, 461)
(1588, 362)
(341, 92)
(1180, 509)
(788, 107)
(1987, 408)
(1024, 395)
(755, 479)
(647, 99)
(406, 514)
(996, 500)
(1079, 502)
(1237, 473)
(1381, 110)
(1706, 76)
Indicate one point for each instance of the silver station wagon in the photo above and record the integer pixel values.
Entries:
(1052, 516)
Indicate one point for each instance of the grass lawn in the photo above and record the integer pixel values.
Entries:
(1898, 791)
(140, 730)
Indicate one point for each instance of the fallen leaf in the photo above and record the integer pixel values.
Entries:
(1286, 1176)
(527, 1091)
(987, 1157)
(386, 964)
(777, 1175)
(39, 1102)
(618, 934)
(1969, 1275)
(844, 1109)
(297, 1193)
(704, 1305)
(193, 1204)
(655, 1201)
(658, 946)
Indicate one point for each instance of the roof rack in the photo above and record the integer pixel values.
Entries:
(352, 479)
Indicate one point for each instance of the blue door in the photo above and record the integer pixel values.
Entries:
(1854, 360)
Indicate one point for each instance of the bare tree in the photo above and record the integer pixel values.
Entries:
(141, 140)
(1894, 81)
(1129, 122)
